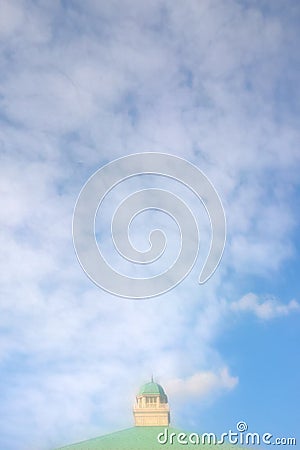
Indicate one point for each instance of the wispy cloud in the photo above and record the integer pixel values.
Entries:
(264, 308)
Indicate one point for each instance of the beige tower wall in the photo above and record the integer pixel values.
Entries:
(154, 419)
(146, 415)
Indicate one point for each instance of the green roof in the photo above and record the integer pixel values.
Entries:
(139, 438)
(152, 388)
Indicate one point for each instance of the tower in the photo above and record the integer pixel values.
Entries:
(151, 407)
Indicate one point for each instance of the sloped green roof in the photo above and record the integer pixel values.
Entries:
(152, 388)
(138, 438)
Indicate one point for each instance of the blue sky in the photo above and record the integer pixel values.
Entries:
(83, 83)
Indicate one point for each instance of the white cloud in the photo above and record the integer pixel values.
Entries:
(201, 384)
(264, 308)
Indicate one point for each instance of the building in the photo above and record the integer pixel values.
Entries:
(152, 429)
(151, 408)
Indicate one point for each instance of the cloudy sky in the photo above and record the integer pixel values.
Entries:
(82, 83)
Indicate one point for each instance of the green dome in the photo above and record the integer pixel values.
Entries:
(152, 388)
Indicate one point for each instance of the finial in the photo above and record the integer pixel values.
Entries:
(152, 378)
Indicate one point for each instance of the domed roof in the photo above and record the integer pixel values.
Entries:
(152, 388)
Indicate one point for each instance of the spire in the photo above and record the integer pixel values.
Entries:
(152, 378)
